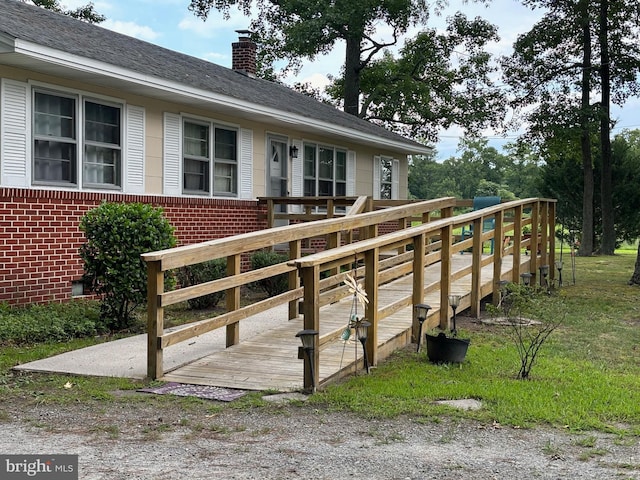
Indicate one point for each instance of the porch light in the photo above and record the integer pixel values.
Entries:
(526, 279)
(362, 331)
(293, 151)
(422, 310)
(308, 339)
(454, 302)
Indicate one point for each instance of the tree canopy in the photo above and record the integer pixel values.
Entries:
(86, 13)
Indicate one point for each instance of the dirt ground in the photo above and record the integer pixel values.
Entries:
(134, 439)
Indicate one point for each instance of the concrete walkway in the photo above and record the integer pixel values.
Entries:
(128, 357)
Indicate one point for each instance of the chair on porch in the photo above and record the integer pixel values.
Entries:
(487, 224)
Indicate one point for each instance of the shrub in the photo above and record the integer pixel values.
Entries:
(117, 234)
(49, 323)
(273, 285)
(200, 273)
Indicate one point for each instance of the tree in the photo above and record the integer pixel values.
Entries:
(438, 79)
(85, 13)
(577, 49)
(625, 153)
(297, 29)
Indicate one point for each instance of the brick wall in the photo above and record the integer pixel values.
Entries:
(40, 238)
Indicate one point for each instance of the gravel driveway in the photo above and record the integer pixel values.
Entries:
(133, 440)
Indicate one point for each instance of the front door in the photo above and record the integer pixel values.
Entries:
(277, 159)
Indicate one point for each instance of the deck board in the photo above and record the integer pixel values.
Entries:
(270, 361)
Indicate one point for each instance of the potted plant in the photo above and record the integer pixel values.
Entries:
(444, 349)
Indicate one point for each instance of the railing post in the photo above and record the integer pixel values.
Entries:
(418, 282)
(517, 243)
(498, 252)
(535, 240)
(155, 320)
(446, 236)
(311, 312)
(544, 233)
(552, 240)
(295, 251)
(476, 266)
(371, 261)
(233, 300)
(270, 213)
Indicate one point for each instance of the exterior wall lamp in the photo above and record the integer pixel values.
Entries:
(293, 151)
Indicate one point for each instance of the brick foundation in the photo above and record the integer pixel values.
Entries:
(40, 238)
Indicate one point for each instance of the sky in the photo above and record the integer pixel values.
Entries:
(170, 24)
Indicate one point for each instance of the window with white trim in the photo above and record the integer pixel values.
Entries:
(208, 150)
(325, 171)
(386, 177)
(58, 144)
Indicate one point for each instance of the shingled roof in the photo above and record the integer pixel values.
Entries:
(24, 27)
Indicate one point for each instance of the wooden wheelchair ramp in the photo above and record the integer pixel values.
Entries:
(269, 361)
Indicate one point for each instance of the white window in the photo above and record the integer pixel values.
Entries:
(325, 171)
(55, 138)
(208, 150)
(386, 178)
(59, 145)
(102, 144)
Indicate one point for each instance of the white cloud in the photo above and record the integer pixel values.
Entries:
(130, 28)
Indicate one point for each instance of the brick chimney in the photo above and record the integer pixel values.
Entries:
(243, 54)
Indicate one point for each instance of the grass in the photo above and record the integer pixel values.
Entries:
(587, 377)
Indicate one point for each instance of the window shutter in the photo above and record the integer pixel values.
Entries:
(351, 173)
(395, 179)
(134, 150)
(245, 168)
(15, 131)
(376, 177)
(172, 155)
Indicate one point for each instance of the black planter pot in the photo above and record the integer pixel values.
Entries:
(443, 349)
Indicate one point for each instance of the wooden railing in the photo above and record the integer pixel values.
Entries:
(334, 232)
(427, 244)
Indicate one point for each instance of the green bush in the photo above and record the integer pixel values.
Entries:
(200, 273)
(49, 323)
(117, 234)
(273, 285)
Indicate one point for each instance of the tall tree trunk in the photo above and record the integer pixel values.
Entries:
(352, 67)
(608, 242)
(586, 245)
(635, 278)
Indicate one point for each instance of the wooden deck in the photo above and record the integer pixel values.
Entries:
(270, 361)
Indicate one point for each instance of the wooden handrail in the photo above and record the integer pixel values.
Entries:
(368, 249)
(232, 248)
